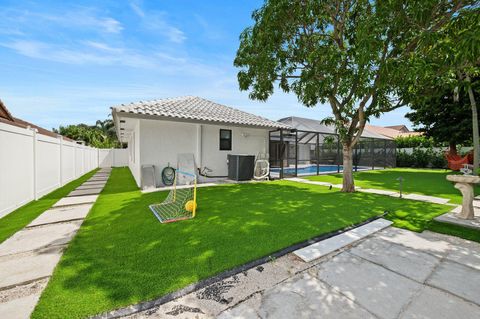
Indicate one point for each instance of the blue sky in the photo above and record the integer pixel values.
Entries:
(67, 62)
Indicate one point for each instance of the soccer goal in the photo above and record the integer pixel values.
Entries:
(181, 202)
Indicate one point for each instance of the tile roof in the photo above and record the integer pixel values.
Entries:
(4, 113)
(196, 109)
(389, 131)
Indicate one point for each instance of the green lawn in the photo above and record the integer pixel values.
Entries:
(22, 216)
(123, 255)
(430, 182)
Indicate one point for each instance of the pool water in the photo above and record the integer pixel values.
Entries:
(308, 169)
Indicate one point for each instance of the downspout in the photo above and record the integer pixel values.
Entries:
(199, 145)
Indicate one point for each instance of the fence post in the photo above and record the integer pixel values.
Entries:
(60, 140)
(35, 165)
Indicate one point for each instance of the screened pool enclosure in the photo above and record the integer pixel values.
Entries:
(311, 148)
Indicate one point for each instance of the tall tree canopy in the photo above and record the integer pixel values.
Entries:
(101, 135)
(351, 54)
(449, 59)
(442, 117)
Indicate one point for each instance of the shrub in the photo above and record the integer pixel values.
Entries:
(414, 141)
(421, 158)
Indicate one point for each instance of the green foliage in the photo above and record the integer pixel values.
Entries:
(101, 135)
(421, 158)
(442, 118)
(415, 141)
(352, 54)
(431, 182)
(123, 255)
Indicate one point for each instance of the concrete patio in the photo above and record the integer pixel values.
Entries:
(394, 273)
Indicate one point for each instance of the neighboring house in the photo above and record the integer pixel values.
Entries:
(7, 118)
(158, 131)
(392, 131)
(401, 128)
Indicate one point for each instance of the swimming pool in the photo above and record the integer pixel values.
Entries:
(312, 169)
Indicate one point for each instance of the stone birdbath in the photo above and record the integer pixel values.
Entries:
(465, 183)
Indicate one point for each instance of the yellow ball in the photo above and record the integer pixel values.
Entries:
(190, 205)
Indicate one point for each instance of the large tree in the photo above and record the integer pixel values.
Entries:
(351, 54)
(442, 117)
(450, 59)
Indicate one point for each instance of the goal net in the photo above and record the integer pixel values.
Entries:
(181, 202)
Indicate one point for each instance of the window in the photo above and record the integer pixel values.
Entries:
(225, 140)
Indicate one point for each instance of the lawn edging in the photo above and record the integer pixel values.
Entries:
(146, 305)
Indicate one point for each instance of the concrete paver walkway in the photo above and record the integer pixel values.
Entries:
(27, 259)
(394, 273)
(422, 198)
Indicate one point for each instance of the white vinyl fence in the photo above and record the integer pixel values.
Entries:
(32, 164)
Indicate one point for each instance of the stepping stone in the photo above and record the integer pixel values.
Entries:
(20, 308)
(22, 269)
(406, 261)
(380, 291)
(98, 179)
(98, 184)
(425, 198)
(378, 191)
(90, 186)
(77, 200)
(458, 279)
(436, 304)
(62, 214)
(332, 244)
(39, 237)
(83, 192)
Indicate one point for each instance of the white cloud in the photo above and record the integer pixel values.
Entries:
(136, 7)
(101, 53)
(94, 53)
(156, 21)
(26, 21)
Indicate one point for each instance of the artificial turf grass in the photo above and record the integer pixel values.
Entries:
(123, 255)
(23, 215)
(431, 182)
(454, 230)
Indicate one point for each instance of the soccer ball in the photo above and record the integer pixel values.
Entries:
(190, 205)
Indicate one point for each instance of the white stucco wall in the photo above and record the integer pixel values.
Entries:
(162, 141)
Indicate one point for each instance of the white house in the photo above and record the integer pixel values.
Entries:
(158, 131)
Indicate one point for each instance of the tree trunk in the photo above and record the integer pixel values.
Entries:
(348, 182)
(476, 139)
(453, 148)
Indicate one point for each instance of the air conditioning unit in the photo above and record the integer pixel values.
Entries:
(240, 167)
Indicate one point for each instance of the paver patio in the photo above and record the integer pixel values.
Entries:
(27, 258)
(394, 273)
